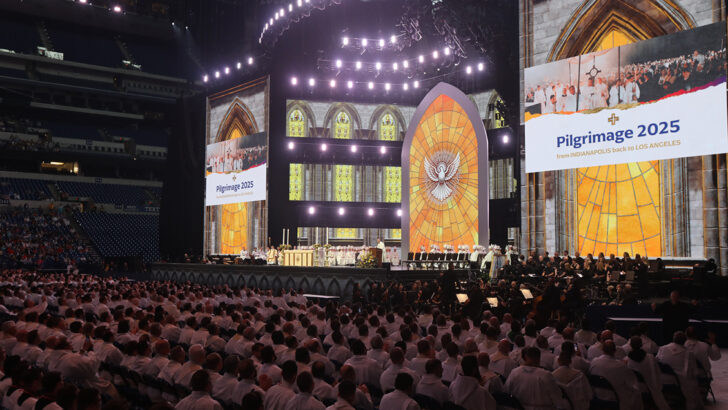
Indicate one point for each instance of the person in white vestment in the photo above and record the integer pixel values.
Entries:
(466, 390)
(645, 364)
(278, 396)
(305, 399)
(400, 399)
(573, 382)
(704, 352)
(386, 380)
(682, 362)
(347, 394)
(534, 387)
(200, 398)
(431, 385)
(619, 376)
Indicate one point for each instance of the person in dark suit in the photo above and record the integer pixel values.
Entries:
(675, 314)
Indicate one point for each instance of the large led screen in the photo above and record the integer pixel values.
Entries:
(656, 99)
(235, 169)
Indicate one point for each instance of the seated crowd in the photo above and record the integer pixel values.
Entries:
(38, 239)
(87, 342)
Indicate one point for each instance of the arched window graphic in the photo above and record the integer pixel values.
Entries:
(295, 182)
(342, 125)
(388, 127)
(445, 173)
(234, 223)
(296, 123)
(392, 184)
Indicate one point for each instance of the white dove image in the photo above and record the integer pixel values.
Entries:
(441, 169)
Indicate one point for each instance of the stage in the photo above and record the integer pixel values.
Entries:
(335, 281)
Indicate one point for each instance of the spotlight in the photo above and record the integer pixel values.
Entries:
(294, 81)
(405, 64)
(282, 12)
(381, 43)
(353, 148)
(311, 82)
(399, 212)
(435, 54)
(421, 58)
(217, 74)
(308, 1)
(350, 84)
(271, 22)
(172, 22)
(82, 1)
(364, 42)
(481, 66)
(290, 145)
(332, 83)
(250, 60)
(358, 65)
(345, 41)
(395, 66)
(324, 147)
(300, 3)
(370, 211)
(238, 65)
(387, 86)
(405, 86)
(370, 85)
(416, 84)
(117, 9)
(382, 150)
(290, 7)
(227, 70)
(311, 210)
(276, 15)
(338, 63)
(393, 39)
(505, 138)
(205, 78)
(446, 51)
(469, 69)
(378, 65)
(341, 211)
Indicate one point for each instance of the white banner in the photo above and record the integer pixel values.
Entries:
(684, 125)
(236, 186)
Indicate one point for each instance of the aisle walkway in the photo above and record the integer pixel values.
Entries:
(720, 382)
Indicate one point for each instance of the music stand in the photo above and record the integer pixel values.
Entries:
(462, 297)
(493, 302)
(527, 294)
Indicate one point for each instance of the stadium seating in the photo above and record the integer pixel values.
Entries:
(76, 43)
(117, 235)
(27, 189)
(106, 193)
(19, 35)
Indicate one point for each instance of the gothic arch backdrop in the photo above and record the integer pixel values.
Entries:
(444, 173)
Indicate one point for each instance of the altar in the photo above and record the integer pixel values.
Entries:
(297, 257)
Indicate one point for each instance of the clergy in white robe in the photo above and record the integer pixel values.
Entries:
(200, 398)
(278, 396)
(431, 383)
(466, 390)
(400, 399)
(305, 399)
(573, 382)
(534, 387)
(704, 352)
(646, 365)
(619, 376)
(682, 362)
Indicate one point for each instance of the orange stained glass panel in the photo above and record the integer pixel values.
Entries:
(454, 221)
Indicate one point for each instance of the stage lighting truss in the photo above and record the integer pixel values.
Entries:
(386, 86)
(286, 14)
(395, 42)
(228, 70)
(421, 63)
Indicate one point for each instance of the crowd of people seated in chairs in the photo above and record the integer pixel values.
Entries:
(88, 342)
(40, 239)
